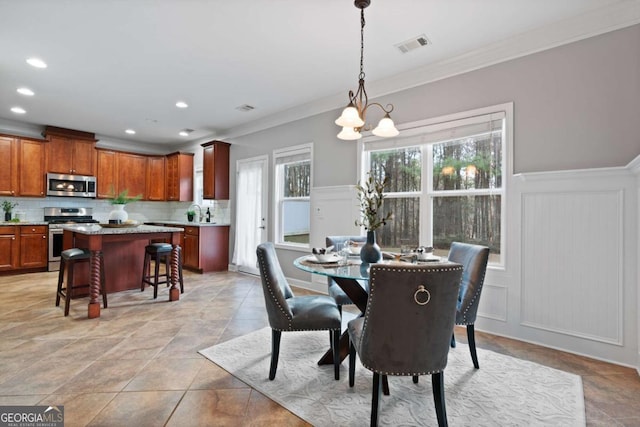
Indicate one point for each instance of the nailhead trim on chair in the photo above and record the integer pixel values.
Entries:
(475, 296)
(366, 316)
(273, 297)
(402, 374)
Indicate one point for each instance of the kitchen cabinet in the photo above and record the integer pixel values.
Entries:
(9, 170)
(24, 166)
(156, 187)
(131, 170)
(215, 165)
(23, 247)
(32, 156)
(206, 248)
(106, 174)
(71, 151)
(33, 246)
(180, 177)
(9, 246)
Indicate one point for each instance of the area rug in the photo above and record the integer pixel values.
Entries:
(505, 391)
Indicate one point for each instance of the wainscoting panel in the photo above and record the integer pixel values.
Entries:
(493, 303)
(572, 268)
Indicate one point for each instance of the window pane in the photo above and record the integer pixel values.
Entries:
(403, 167)
(405, 227)
(295, 221)
(297, 179)
(468, 163)
(469, 219)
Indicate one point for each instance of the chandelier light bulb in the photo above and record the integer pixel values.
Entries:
(350, 118)
(386, 128)
(349, 134)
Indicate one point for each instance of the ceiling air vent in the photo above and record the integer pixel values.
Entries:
(245, 108)
(414, 43)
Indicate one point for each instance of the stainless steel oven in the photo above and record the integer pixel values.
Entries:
(55, 247)
(57, 217)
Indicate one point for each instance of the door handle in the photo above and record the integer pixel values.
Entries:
(262, 227)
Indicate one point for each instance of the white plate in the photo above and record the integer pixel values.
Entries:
(334, 258)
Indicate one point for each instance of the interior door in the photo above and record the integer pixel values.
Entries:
(251, 212)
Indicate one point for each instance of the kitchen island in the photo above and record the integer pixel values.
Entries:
(122, 249)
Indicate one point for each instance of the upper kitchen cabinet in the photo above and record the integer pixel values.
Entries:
(215, 165)
(32, 167)
(106, 173)
(71, 151)
(156, 188)
(180, 177)
(24, 167)
(132, 174)
(9, 171)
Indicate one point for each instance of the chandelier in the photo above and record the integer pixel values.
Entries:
(353, 118)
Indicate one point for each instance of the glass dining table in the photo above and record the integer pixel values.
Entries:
(353, 279)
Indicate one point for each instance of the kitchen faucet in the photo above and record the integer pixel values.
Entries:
(199, 211)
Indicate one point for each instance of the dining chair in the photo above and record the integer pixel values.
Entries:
(334, 290)
(474, 260)
(406, 328)
(288, 312)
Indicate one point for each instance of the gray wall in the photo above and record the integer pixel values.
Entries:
(576, 107)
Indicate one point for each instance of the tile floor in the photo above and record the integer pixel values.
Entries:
(137, 365)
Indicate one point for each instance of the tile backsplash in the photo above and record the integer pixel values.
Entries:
(32, 209)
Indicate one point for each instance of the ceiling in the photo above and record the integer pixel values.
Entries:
(123, 64)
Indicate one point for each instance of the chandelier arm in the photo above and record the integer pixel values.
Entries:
(387, 110)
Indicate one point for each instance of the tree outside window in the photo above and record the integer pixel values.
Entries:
(293, 188)
(446, 185)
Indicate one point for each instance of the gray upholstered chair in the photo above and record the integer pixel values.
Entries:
(407, 326)
(474, 260)
(288, 312)
(334, 290)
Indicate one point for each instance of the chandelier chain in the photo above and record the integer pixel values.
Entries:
(362, 23)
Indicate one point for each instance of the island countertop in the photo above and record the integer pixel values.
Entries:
(189, 224)
(93, 229)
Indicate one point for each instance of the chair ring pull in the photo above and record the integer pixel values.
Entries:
(421, 290)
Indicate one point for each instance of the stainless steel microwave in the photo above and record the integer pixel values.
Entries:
(71, 185)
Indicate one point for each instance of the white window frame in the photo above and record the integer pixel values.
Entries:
(426, 195)
(278, 198)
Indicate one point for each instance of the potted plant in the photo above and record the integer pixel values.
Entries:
(191, 215)
(118, 215)
(370, 196)
(7, 207)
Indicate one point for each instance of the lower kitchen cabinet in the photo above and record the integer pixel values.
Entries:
(33, 246)
(9, 246)
(206, 248)
(23, 247)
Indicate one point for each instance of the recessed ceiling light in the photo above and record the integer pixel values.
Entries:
(130, 131)
(181, 104)
(185, 132)
(18, 110)
(37, 62)
(25, 91)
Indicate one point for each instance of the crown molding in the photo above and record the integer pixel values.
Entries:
(600, 21)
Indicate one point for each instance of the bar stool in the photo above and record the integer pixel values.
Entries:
(68, 259)
(160, 252)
